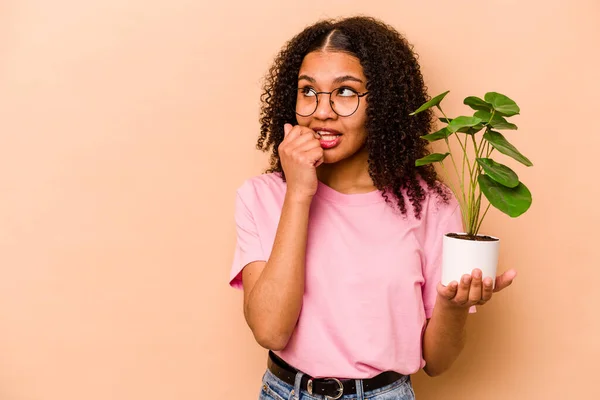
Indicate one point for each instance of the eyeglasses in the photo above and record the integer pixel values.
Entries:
(344, 101)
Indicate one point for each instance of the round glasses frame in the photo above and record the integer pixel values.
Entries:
(331, 102)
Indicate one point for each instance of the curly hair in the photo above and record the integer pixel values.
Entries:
(396, 88)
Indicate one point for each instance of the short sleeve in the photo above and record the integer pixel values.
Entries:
(441, 219)
(248, 245)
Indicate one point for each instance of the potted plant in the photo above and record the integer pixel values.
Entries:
(479, 176)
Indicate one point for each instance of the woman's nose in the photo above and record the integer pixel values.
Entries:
(324, 109)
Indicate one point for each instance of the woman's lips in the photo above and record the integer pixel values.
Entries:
(329, 141)
(329, 138)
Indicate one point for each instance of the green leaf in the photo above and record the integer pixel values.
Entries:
(511, 201)
(431, 103)
(502, 104)
(435, 157)
(500, 143)
(498, 172)
(472, 130)
(504, 125)
(441, 134)
(477, 104)
(497, 121)
(463, 122)
(469, 130)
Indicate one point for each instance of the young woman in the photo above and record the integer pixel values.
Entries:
(339, 242)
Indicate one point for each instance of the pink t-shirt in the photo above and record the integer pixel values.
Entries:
(371, 275)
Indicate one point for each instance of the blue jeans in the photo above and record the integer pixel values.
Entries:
(274, 388)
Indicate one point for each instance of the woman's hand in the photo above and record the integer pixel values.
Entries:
(300, 154)
(444, 336)
(472, 290)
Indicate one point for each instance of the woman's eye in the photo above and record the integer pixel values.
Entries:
(346, 92)
(307, 91)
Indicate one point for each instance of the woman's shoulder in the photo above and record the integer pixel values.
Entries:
(439, 198)
(262, 185)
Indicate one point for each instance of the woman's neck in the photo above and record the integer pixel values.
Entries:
(348, 176)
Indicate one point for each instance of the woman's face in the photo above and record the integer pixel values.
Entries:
(324, 71)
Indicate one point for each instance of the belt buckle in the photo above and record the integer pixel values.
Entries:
(309, 388)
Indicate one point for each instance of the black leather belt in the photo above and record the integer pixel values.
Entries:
(332, 388)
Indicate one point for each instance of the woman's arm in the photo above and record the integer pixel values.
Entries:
(273, 290)
(444, 336)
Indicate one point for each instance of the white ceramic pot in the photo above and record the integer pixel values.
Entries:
(461, 256)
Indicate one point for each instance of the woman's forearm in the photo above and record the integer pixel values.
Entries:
(444, 337)
(274, 304)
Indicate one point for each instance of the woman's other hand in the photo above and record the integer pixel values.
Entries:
(473, 290)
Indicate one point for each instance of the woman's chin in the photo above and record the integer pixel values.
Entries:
(329, 158)
(335, 155)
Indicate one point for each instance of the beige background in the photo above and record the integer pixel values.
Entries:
(126, 126)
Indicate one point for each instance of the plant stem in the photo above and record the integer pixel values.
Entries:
(477, 210)
(482, 144)
(475, 192)
(461, 204)
(490, 150)
(481, 220)
(462, 198)
(463, 146)
(463, 168)
(487, 128)
(476, 171)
